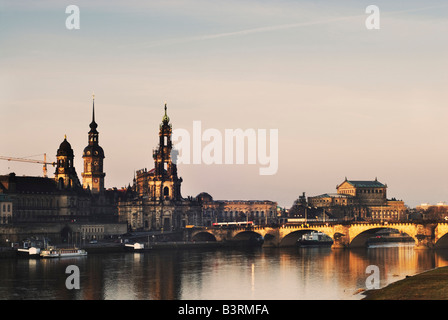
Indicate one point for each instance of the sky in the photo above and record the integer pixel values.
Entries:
(347, 101)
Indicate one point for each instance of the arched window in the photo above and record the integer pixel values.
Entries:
(166, 191)
(61, 183)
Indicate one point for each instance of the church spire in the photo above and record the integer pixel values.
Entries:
(93, 107)
(93, 124)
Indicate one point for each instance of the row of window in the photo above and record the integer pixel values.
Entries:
(92, 230)
(48, 203)
(6, 207)
(370, 191)
(384, 213)
(34, 214)
(25, 214)
(343, 201)
(352, 192)
(35, 202)
(231, 213)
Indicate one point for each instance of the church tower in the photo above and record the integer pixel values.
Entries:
(65, 174)
(165, 171)
(93, 155)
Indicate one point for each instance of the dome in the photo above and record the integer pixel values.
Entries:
(65, 149)
(204, 197)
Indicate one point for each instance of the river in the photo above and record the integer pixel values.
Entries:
(252, 273)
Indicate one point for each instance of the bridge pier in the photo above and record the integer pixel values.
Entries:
(425, 236)
(340, 241)
(424, 243)
(339, 246)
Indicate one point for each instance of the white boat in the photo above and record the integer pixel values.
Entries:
(29, 252)
(315, 238)
(62, 252)
(136, 246)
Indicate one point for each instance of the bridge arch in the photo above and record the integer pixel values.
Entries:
(441, 236)
(344, 235)
(247, 235)
(442, 242)
(203, 236)
(291, 238)
(360, 235)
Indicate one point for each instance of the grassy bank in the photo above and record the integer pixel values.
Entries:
(429, 285)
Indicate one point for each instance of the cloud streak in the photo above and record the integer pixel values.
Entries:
(274, 28)
(247, 31)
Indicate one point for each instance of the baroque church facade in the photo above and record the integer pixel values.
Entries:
(155, 202)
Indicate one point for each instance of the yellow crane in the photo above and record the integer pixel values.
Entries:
(44, 162)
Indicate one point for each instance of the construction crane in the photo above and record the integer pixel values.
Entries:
(44, 162)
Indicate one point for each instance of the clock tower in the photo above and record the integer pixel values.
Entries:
(93, 155)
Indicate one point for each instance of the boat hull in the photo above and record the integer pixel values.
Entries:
(314, 243)
(33, 253)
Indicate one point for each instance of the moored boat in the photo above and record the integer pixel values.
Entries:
(315, 239)
(62, 252)
(136, 247)
(29, 252)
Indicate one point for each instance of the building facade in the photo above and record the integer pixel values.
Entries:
(260, 212)
(6, 209)
(154, 202)
(360, 200)
(64, 197)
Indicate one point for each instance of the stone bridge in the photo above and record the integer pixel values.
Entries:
(427, 235)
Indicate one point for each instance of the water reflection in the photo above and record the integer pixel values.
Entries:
(262, 273)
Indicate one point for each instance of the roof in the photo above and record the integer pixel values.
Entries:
(366, 184)
(65, 149)
(28, 184)
(333, 195)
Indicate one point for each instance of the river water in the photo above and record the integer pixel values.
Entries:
(255, 273)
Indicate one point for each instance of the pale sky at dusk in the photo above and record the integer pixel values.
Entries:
(347, 101)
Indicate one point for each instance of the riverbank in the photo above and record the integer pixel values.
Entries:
(428, 285)
(100, 248)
